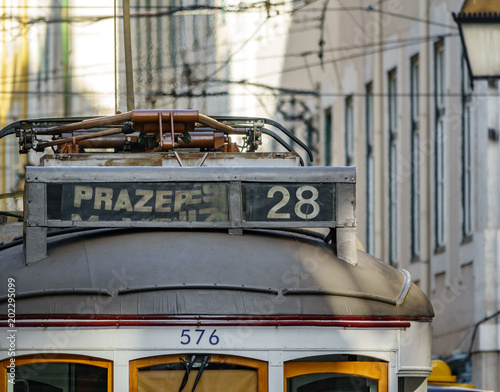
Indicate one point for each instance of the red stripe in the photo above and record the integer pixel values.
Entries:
(211, 317)
(214, 323)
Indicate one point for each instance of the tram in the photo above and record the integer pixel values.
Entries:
(159, 255)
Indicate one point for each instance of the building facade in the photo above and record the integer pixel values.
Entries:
(384, 87)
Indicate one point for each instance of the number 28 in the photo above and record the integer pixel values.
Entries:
(311, 201)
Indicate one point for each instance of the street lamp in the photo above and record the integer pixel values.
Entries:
(479, 25)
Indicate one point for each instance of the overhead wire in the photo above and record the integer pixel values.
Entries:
(381, 11)
(257, 6)
(284, 91)
(322, 42)
(412, 18)
(274, 90)
(231, 56)
(407, 41)
(173, 10)
(378, 3)
(344, 58)
(239, 49)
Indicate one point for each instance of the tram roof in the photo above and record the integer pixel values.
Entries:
(176, 272)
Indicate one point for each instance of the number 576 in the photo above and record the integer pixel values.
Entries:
(188, 336)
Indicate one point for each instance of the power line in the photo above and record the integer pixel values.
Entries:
(410, 40)
(397, 15)
(413, 18)
(230, 58)
(344, 58)
(378, 3)
(294, 92)
(144, 13)
(240, 8)
(406, 41)
(242, 46)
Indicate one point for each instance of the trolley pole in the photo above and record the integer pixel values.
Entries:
(129, 70)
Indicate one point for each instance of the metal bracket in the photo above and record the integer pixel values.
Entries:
(35, 223)
(346, 221)
(235, 208)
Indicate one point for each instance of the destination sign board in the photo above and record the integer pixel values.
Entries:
(189, 202)
(232, 198)
(167, 202)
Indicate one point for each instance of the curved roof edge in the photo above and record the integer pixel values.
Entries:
(158, 272)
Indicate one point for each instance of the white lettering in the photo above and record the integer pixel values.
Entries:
(82, 193)
(162, 201)
(78, 218)
(103, 195)
(140, 205)
(123, 202)
(180, 199)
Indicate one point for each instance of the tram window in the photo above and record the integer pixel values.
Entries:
(58, 375)
(353, 376)
(331, 382)
(201, 373)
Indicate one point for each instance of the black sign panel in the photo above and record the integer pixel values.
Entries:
(288, 202)
(167, 202)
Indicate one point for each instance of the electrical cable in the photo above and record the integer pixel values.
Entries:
(415, 40)
(281, 90)
(282, 142)
(476, 326)
(413, 18)
(357, 55)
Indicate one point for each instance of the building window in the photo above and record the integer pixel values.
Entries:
(349, 131)
(370, 171)
(328, 136)
(466, 154)
(393, 167)
(439, 185)
(415, 159)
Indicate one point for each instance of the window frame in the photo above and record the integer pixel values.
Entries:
(373, 370)
(415, 158)
(260, 366)
(392, 101)
(327, 132)
(370, 170)
(466, 167)
(439, 148)
(57, 358)
(349, 130)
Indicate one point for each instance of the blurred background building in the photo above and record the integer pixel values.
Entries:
(377, 84)
(390, 93)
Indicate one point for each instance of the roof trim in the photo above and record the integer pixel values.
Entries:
(341, 293)
(214, 286)
(405, 289)
(51, 292)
